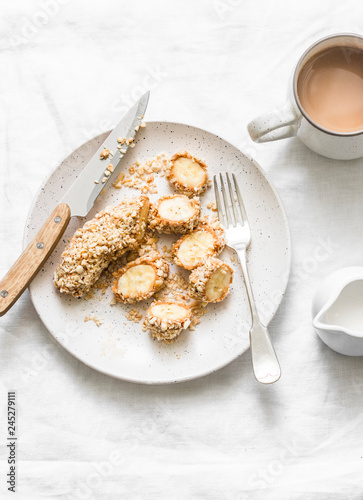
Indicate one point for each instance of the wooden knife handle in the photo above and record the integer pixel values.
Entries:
(33, 257)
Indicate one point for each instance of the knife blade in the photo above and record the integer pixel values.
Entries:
(77, 201)
(84, 191)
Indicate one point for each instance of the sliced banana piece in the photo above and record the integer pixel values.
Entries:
(166, 319)
(175, 214)
(140, 279)
(211, 282)
(187, 174)
(193, 248)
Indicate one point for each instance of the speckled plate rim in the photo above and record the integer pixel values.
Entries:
(285, 282)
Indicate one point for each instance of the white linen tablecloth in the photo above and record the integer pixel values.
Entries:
(69, 68)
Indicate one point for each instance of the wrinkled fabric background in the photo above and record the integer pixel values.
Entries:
(68, 71)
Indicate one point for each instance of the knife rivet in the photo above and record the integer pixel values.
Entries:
(40, 245)
(4, 293)
(57, 220)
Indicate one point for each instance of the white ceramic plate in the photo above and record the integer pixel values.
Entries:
(120, 348)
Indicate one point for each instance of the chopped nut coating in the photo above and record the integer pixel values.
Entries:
(174, 214)
(106, 237)
(211, 282)
(192, 249)
(166, 319)
(187, 174)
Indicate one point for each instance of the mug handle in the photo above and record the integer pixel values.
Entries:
(275, 125)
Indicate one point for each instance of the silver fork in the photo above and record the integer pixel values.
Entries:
(232, 215)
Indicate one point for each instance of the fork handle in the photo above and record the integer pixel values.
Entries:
(266, 367)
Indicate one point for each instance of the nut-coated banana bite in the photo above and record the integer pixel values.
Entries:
(192, 249)
(187, 174)
(211, 281)
(166, 319)
(174, 214)
(140, 279)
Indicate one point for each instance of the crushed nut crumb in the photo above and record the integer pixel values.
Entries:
(212, 206)
(141, 176)
(105, 153)
(134, 315)
(95, 319)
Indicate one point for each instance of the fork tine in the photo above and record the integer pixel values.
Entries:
(237, 218)
(225, 196)
(240, 200)
(218, 201)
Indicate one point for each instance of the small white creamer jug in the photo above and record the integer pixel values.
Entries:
(338, 311)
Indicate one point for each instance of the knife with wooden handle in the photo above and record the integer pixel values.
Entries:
(78, 201)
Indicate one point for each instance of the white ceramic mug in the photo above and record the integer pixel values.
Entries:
(292, 120)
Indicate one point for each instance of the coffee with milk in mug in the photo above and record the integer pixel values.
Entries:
(324, 107)
(330, 88)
